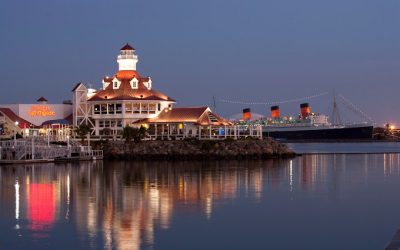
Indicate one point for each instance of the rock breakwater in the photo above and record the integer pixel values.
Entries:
(194, 150)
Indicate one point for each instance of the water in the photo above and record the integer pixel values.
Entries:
(309, 202)
(341, 147)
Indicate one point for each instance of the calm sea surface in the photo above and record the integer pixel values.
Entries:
(332, 201)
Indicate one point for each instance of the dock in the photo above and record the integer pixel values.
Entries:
(38, 150)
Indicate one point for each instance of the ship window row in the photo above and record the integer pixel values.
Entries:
(110, 123)
(129, 108)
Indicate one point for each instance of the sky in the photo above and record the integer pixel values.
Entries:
(247, 51)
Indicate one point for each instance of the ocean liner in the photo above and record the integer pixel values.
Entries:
(308, 126)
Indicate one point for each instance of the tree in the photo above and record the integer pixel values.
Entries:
(131, 133)
(82, 130)
(128, 133)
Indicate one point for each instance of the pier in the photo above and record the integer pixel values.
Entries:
(38, 149)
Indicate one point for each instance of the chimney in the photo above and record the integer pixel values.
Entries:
(246, 114)
(305, 110)
(275, 113)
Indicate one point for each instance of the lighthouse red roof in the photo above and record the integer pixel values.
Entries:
(127, 47)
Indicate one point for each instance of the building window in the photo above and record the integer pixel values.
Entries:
(103, 109)
(134, 84)
(111, 108)
(118, 108)
(159, 107)
(97, 109)
(128, 108)
(136, 108)
(152, 108)
(145, 108)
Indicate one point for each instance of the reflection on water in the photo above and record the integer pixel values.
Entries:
(122, 205)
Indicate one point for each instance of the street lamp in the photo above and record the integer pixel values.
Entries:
(15, 132)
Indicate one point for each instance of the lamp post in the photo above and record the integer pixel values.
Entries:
(15, 132)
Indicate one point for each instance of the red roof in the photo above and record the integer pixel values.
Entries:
(127, 47)
(22, 123)
(125, 91)
(198, 115)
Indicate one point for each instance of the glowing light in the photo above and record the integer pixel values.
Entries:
(41, 110)
(291, 175)
(392, 127)
(16, 200)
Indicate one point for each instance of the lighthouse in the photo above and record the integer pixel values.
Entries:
(127, 59)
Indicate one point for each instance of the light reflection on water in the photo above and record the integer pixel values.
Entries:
(122, 205)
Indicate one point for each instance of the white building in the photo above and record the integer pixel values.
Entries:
(129, 99)
(123, 99)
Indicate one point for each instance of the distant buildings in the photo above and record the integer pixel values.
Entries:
(32, 119)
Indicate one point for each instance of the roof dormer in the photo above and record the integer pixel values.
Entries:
(116, 83)
(105, 84)
(134, 83)
(148, 83)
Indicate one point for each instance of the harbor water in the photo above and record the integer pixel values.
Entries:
(314, 201)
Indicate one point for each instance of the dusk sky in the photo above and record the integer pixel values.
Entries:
(255, 50)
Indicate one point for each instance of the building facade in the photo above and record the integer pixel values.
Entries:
(30, 119)
(123, 99)
(129, 99)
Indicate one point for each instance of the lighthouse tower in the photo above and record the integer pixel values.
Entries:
(127, 59)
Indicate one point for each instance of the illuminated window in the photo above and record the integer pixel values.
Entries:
(152, 108)
(145, 108)
(128, 108)
(136, 108)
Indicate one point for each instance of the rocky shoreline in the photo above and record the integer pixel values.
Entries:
(194, 150)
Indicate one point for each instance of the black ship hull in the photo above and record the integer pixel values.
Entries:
(340, 133)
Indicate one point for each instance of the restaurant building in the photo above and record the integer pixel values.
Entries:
(129, 99)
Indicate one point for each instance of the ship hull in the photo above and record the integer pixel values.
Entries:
(330, 133)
